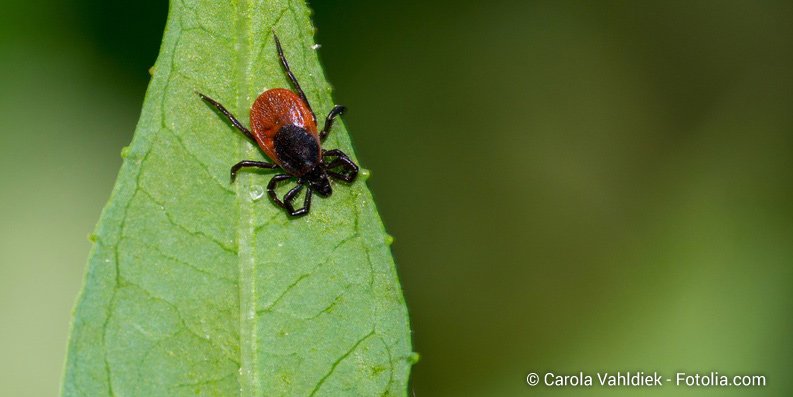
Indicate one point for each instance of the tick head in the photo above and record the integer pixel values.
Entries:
(318, 182)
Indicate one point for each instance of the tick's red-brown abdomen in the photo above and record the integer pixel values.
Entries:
(274, 109)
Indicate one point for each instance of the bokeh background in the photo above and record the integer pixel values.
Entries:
(573, 186)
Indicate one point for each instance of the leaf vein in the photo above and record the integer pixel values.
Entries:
(338, 361)
(180, 261)
(198, 160)
(196, 233)
(305, 275)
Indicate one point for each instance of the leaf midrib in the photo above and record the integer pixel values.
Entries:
(249, 385)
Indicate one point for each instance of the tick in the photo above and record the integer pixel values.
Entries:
(285, 128)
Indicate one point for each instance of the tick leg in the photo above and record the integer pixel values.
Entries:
(344, 177)
(343, 161)
(291, 75)
(228, 115)
(306, 204)
(271, 188)
(250, 163)
(336, 111)
(286, 204)
(290, 196)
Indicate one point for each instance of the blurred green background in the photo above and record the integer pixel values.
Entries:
(573, 186)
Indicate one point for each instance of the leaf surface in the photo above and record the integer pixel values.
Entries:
(196, 286)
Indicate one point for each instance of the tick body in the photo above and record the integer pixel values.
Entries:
(285, 128)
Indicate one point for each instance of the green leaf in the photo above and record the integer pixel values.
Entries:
(194, 286)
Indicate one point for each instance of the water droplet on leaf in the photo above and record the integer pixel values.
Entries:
(256, 192)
